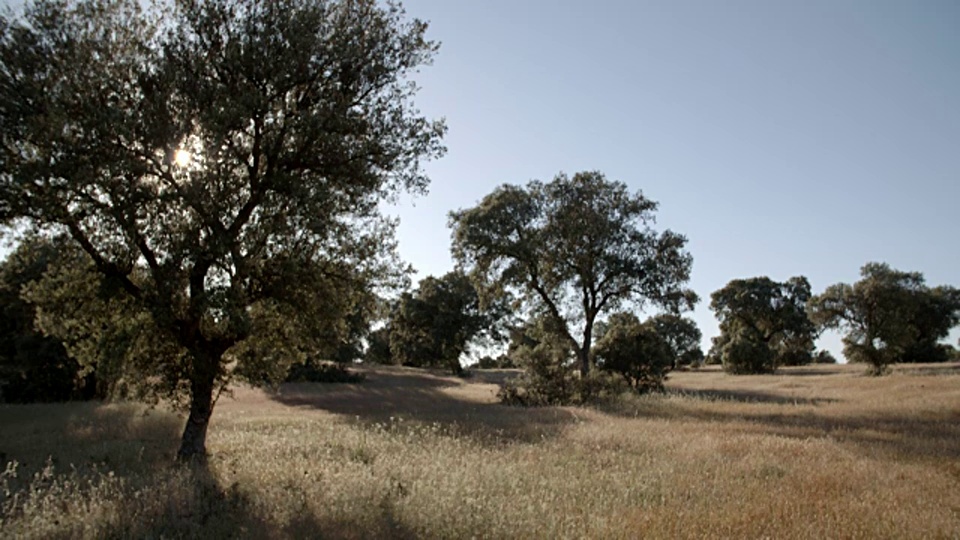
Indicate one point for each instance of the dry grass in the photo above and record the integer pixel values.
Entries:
(820, 452)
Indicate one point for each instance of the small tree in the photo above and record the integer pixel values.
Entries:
(635, 351)
(683, 336)
(436, 323)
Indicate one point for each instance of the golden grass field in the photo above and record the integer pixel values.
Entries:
(814, 452)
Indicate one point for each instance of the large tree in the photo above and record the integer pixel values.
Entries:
(572, 249)
(763, 324)
(889, 316)
(220, 164)
(436, 323)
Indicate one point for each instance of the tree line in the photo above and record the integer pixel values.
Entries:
(197, 186)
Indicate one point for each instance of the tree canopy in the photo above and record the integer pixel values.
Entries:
(636, 351)
(220, 165)
(34, 367)
(681, 334)
(435, 323)
(889, 316)
(763, 324)
(572, 249)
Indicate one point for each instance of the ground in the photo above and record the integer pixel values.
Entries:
(812, 452)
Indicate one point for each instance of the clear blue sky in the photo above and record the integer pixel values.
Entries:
(782, 138)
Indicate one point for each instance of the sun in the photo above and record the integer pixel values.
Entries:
(181, 157)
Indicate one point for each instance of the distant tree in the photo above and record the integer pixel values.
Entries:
(636, 351)
(763, 324)
(572, 249)
(824, 357)
(378, 347)
(683, 336)
(889, 316)
(434, 324)
(221, 165)
(34, 367)
(500, 362)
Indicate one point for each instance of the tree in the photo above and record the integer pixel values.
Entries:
(763, 324)
(436, 323)
(889, 316)
(34, 367)
(572, 249)
(636, 351)
(683, 336)
(378, 347)
(220, 164)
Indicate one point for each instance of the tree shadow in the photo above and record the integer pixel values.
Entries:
(934, 435)
(952, 368)
(748, 396)
(810, 371)
(895, 437)
(125, 438)
(466, 406)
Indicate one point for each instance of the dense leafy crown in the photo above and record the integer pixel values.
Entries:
(573, 248)
(297, 119)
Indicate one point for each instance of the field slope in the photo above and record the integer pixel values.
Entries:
(817, 452)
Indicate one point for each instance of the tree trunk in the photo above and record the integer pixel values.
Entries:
(193, 444)
(583, 354)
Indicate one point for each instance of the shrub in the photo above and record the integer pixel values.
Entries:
(322, 372)
(636, 352)
(745, 356)
(538, 390)
(824, 357)
(501, 362)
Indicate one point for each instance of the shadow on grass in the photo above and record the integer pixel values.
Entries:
(952, 368)
(468, 406)
(893, 436)
(748, 396)
(810, 371)
(124, 438)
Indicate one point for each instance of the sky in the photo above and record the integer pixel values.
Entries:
(781, 138)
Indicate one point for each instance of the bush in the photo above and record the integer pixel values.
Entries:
(824, 357)
(322, 372)
(501, 362)
(745, 357)
(636, 352)
(532, 390)
(547, 379)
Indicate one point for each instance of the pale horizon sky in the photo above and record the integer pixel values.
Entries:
(782, 138)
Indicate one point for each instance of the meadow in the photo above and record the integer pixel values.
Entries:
(811, 452)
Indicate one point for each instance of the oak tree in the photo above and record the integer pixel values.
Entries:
(220, 164)
(636, 351)
(763, 324)
(435, 324)
(889, 316)
(572, 249)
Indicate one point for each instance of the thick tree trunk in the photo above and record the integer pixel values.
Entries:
(193, 444)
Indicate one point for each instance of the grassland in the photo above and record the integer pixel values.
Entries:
(818, 452)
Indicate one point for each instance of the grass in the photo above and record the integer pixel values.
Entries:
(816, 452)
